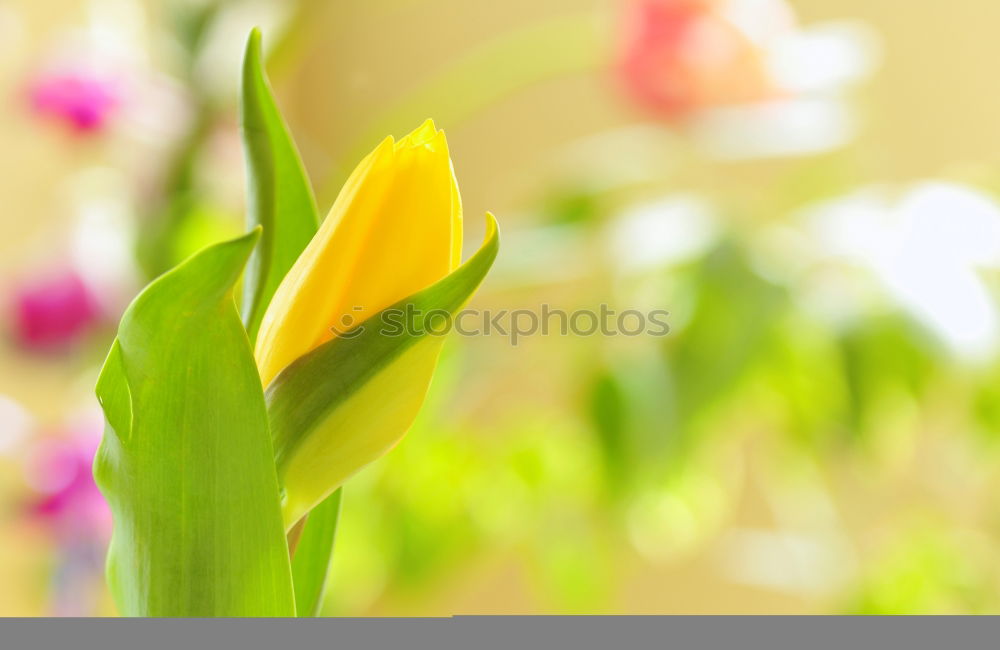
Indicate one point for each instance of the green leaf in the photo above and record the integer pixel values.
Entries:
(186, 462)
(279, 196)
(311, 561)
(280, 199)
(350, 400)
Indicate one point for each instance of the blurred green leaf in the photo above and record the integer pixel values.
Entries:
(610, 415)
(192, 24)
(573, 206)
(279, 196)
(202, 226)
(929, 569)
(733, 323)
(985, 405)
(807, 382)
(626, 403)
(881, 354)
(186, 462)
(179, 196)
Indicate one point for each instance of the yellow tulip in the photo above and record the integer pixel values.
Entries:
(392, 234)
(395, 228)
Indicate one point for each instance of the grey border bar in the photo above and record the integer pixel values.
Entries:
(507, 633)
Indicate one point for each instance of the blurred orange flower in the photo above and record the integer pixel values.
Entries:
(681, 56)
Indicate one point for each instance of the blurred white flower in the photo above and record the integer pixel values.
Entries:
(663, 232)
(811, 69)
(925, 250)
(761, 21)
(823, 58)
(784, 127)
(102, 245)
(743, 75)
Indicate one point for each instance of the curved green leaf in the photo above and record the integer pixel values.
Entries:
(311, 560)
(279, 196)
(280, 199)
(350, 400)
(186, 462)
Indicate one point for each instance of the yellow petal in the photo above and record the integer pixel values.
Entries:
(395, 229)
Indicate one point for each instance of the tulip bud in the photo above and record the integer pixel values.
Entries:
(395, 229)
(392, 240)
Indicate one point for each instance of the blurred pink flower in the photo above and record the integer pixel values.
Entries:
(53, 311)
(681, 56)
(82, 100)
(68, 502)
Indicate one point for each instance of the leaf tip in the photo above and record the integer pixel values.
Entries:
(254, 41)
(252, 64)
(243, 245)
(491, 240)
